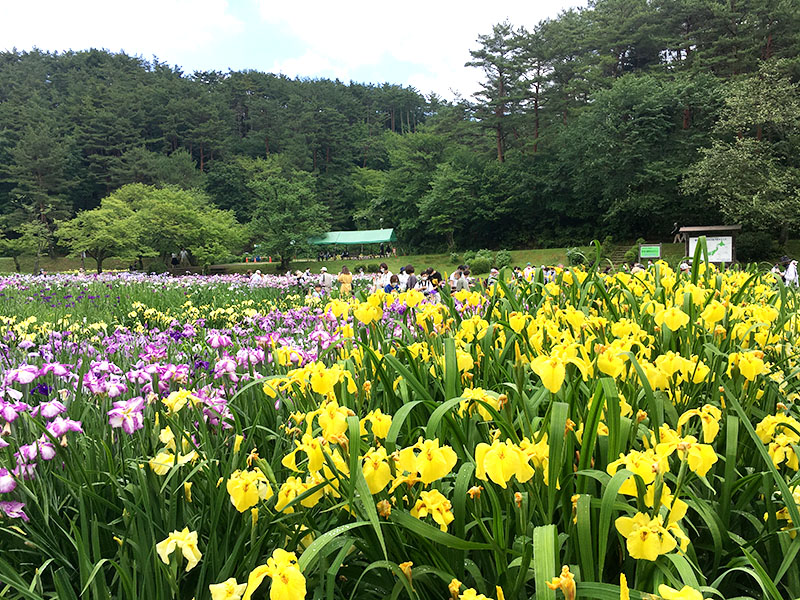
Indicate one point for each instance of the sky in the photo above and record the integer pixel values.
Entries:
(416, 43)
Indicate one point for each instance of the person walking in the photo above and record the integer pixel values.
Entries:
(345, 282)
(791, 276)
(677, 236)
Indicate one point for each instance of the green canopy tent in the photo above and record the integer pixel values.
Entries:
(355, 238)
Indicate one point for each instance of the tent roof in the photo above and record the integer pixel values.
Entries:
(710, 228)
(351, 238)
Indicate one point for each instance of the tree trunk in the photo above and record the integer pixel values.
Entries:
(499, 135)
(16, 263)
(686, 118)
(266, 144)
(99, 261)
(392, 119)
(766, 54)
(498, 115)
(536, 114)
(202, 162)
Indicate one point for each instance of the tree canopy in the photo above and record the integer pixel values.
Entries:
(140, 220)
(614, 119)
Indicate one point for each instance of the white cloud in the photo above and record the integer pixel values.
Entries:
(147, 27)
(416, 42)
(311, 64)
(434, 38)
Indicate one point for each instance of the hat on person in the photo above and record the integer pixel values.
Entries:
(494, 272)
(323, 270)
(258, 272)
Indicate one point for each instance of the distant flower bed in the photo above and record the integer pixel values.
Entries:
(585, 435)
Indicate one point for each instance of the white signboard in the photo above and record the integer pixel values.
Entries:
(720, 249)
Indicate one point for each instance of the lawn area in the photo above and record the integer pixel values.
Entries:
(60, 263)
(441, 262)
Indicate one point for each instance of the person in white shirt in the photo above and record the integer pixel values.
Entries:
(791, 276)
(403, 278)
(326, 279)
(256, 279)
(384, 277)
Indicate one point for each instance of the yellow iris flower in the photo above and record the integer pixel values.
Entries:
(685, 593)
(227, 590)
(673, 318)
(288, 582)
(500, 462)
(184, 540)
(376, 470)
(433, 503)
(246, 488)
(647, 539)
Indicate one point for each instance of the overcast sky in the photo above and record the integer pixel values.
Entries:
(419, 43)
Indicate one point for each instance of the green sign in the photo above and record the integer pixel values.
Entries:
(650, 251)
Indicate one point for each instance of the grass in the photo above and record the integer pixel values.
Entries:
(545, 256)
(440, 262)
(59, 263)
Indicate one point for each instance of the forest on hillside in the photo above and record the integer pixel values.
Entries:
(616, 119)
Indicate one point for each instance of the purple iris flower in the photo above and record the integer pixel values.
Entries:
(59, 426)
(14, 510)
(42, 389)
(7, 482)
(127, 414)
(216, 340)
(49, 410)
(24, 374)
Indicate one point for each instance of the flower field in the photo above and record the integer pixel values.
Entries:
(596, 436)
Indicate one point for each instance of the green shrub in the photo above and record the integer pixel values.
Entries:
(502, 259)
(358, 268)
(157, 266)
(468, 256)
(576, 256)
(484, 253)
(754, 246)
(373, 268)
(480, 265)
(454, 258)
(607, 246)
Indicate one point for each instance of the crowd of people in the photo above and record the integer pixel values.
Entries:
(786, 270)
(383, 251)
(428, 281)
(431, 281)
